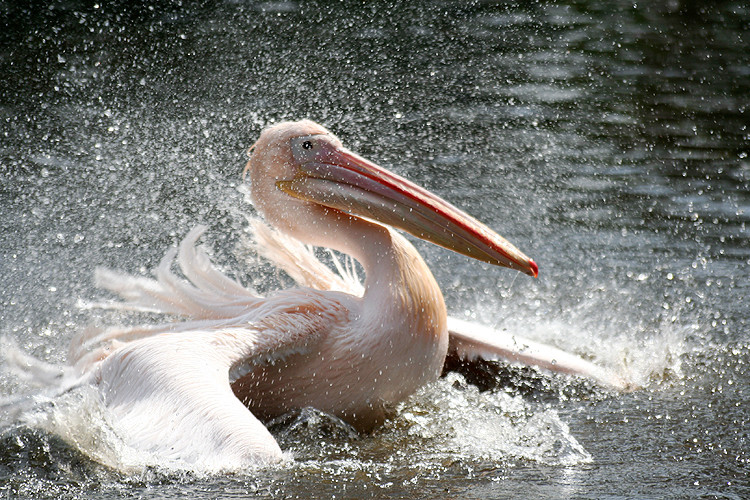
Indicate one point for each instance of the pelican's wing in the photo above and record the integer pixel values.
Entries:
(170, 394)
(169, 397)
(206, 294)
(470, 341)
(168, 385)
(207, 297)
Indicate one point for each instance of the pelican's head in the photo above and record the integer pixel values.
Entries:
(302, 175)
(272, 161)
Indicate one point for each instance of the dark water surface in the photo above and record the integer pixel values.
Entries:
(609, 140)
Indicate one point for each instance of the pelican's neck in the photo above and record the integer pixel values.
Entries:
(379, 251)
(398, 283)
(403, 315)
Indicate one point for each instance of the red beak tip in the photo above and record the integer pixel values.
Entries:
(534, 268)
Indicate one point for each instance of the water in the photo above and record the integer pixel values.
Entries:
(608, 140)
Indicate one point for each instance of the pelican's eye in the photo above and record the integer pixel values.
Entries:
(308, 148)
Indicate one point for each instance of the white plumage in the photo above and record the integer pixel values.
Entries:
(193, 390)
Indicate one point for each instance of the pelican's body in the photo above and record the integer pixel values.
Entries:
(204, 383)
(378, 348)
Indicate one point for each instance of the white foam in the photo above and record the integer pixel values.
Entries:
(457, 420)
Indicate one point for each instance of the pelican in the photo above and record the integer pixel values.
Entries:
(200, 389)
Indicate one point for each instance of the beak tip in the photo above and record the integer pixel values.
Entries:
(534, 268)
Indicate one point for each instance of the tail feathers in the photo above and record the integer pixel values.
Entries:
(205, 296)
(197, 266)
(207, 293)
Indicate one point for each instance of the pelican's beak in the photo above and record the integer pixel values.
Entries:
(335, 177)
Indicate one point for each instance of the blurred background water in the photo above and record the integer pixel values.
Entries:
(608, 140)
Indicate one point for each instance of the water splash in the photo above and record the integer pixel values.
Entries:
(79, 418)
(641, 355)
(452, 418)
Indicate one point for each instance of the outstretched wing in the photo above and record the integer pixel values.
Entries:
(471, 341)
(168, 386)
(207, 298)
(170, 394)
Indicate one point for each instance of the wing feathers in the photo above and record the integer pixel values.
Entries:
(471, 341)
(170, 396)
(207, 293)
(171, 393)
(297, 260)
